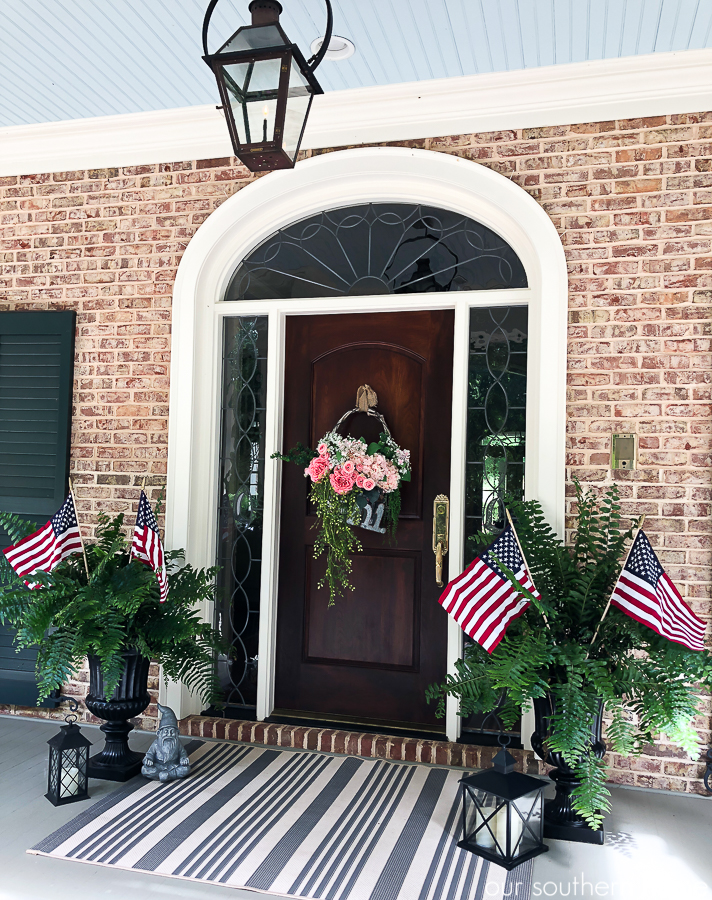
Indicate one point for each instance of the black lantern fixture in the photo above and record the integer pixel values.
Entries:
(503, 814)
(68, 761)
(266, 86)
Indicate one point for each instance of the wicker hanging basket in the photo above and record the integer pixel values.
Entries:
(372, 511)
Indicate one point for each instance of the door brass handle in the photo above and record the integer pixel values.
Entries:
(441, 533)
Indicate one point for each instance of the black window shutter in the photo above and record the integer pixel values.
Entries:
(36, 378)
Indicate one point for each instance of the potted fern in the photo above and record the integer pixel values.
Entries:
(576, 668)
(110, 611)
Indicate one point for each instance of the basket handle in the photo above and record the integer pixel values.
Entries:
(366, 401)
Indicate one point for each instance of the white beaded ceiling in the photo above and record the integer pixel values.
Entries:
(67, 59)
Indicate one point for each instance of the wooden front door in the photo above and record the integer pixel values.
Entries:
(369, 658)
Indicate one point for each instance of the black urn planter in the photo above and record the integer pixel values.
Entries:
(117, 762)
(561, 821)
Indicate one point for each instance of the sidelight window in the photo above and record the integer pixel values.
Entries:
(496, 417)
(242, 462)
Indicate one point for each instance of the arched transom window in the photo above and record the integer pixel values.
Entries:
(377, 248)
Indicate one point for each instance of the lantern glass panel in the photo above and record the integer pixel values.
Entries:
(74, 767)
(54, 761)
(252, 88)
(298, 100)
(258, 37)
(527, 822)
(486, 821)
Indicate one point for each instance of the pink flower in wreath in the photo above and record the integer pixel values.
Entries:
(348, 467)
(322, 449)
(316, 468)
(368, 484)
(341, 482)
(359, 481)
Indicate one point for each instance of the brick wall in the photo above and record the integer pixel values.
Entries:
(632, 201)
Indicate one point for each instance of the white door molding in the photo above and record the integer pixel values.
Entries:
(374, 174)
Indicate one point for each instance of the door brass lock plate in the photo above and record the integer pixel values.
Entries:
(441, 523)
(441, 534)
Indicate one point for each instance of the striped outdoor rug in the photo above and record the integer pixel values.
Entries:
(299, 824)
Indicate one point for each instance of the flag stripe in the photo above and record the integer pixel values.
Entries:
(630, 595)
(637, 596)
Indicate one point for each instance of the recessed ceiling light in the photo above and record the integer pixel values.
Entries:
(339, 47)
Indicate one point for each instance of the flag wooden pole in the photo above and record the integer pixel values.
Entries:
(625, 562)
(516, 538)
(79, 527)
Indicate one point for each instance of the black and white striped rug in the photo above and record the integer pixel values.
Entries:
(299, 824)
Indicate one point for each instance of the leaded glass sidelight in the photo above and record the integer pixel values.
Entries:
(496, 432)
(378, 248)
(496, 417)
(242, 463)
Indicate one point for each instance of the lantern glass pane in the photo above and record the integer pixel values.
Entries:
(254, 39)
(526, 822)
(71, 776)
(54, 757)
(486, 821)
(252, 88)
(298, 100)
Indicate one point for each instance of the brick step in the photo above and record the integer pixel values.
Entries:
(354, 743)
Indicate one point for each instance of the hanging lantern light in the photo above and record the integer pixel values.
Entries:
(266, 86)
(68, 761)
(502, 813)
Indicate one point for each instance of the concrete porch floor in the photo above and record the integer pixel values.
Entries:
(658, 844)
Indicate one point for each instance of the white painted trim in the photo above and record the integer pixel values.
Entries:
(337, 179)
(598, 90)
(458, 449)
(270, 518)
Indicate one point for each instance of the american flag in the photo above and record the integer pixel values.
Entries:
(45, 549)
(147, 544)
(482, 600)
(645, 593)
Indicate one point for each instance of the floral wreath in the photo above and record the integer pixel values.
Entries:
(353, 483)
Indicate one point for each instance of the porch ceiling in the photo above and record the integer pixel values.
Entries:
(68, 59)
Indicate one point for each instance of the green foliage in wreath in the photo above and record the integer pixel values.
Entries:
(335, 536)
(300, 454)
(68, 617)
(649, 686)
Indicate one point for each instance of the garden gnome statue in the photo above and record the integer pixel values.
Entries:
(166, 759)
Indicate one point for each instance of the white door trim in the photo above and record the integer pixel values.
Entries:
(374, 174)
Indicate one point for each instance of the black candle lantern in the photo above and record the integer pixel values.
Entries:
(502, 813)
(266, 86)
(68, 761)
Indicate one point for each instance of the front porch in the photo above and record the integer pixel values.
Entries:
(656, 847)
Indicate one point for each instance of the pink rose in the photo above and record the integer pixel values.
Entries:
(341, 483)
(317, 467)
(368, 484)
(348, 467)
(322, 449)
(360, 480)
